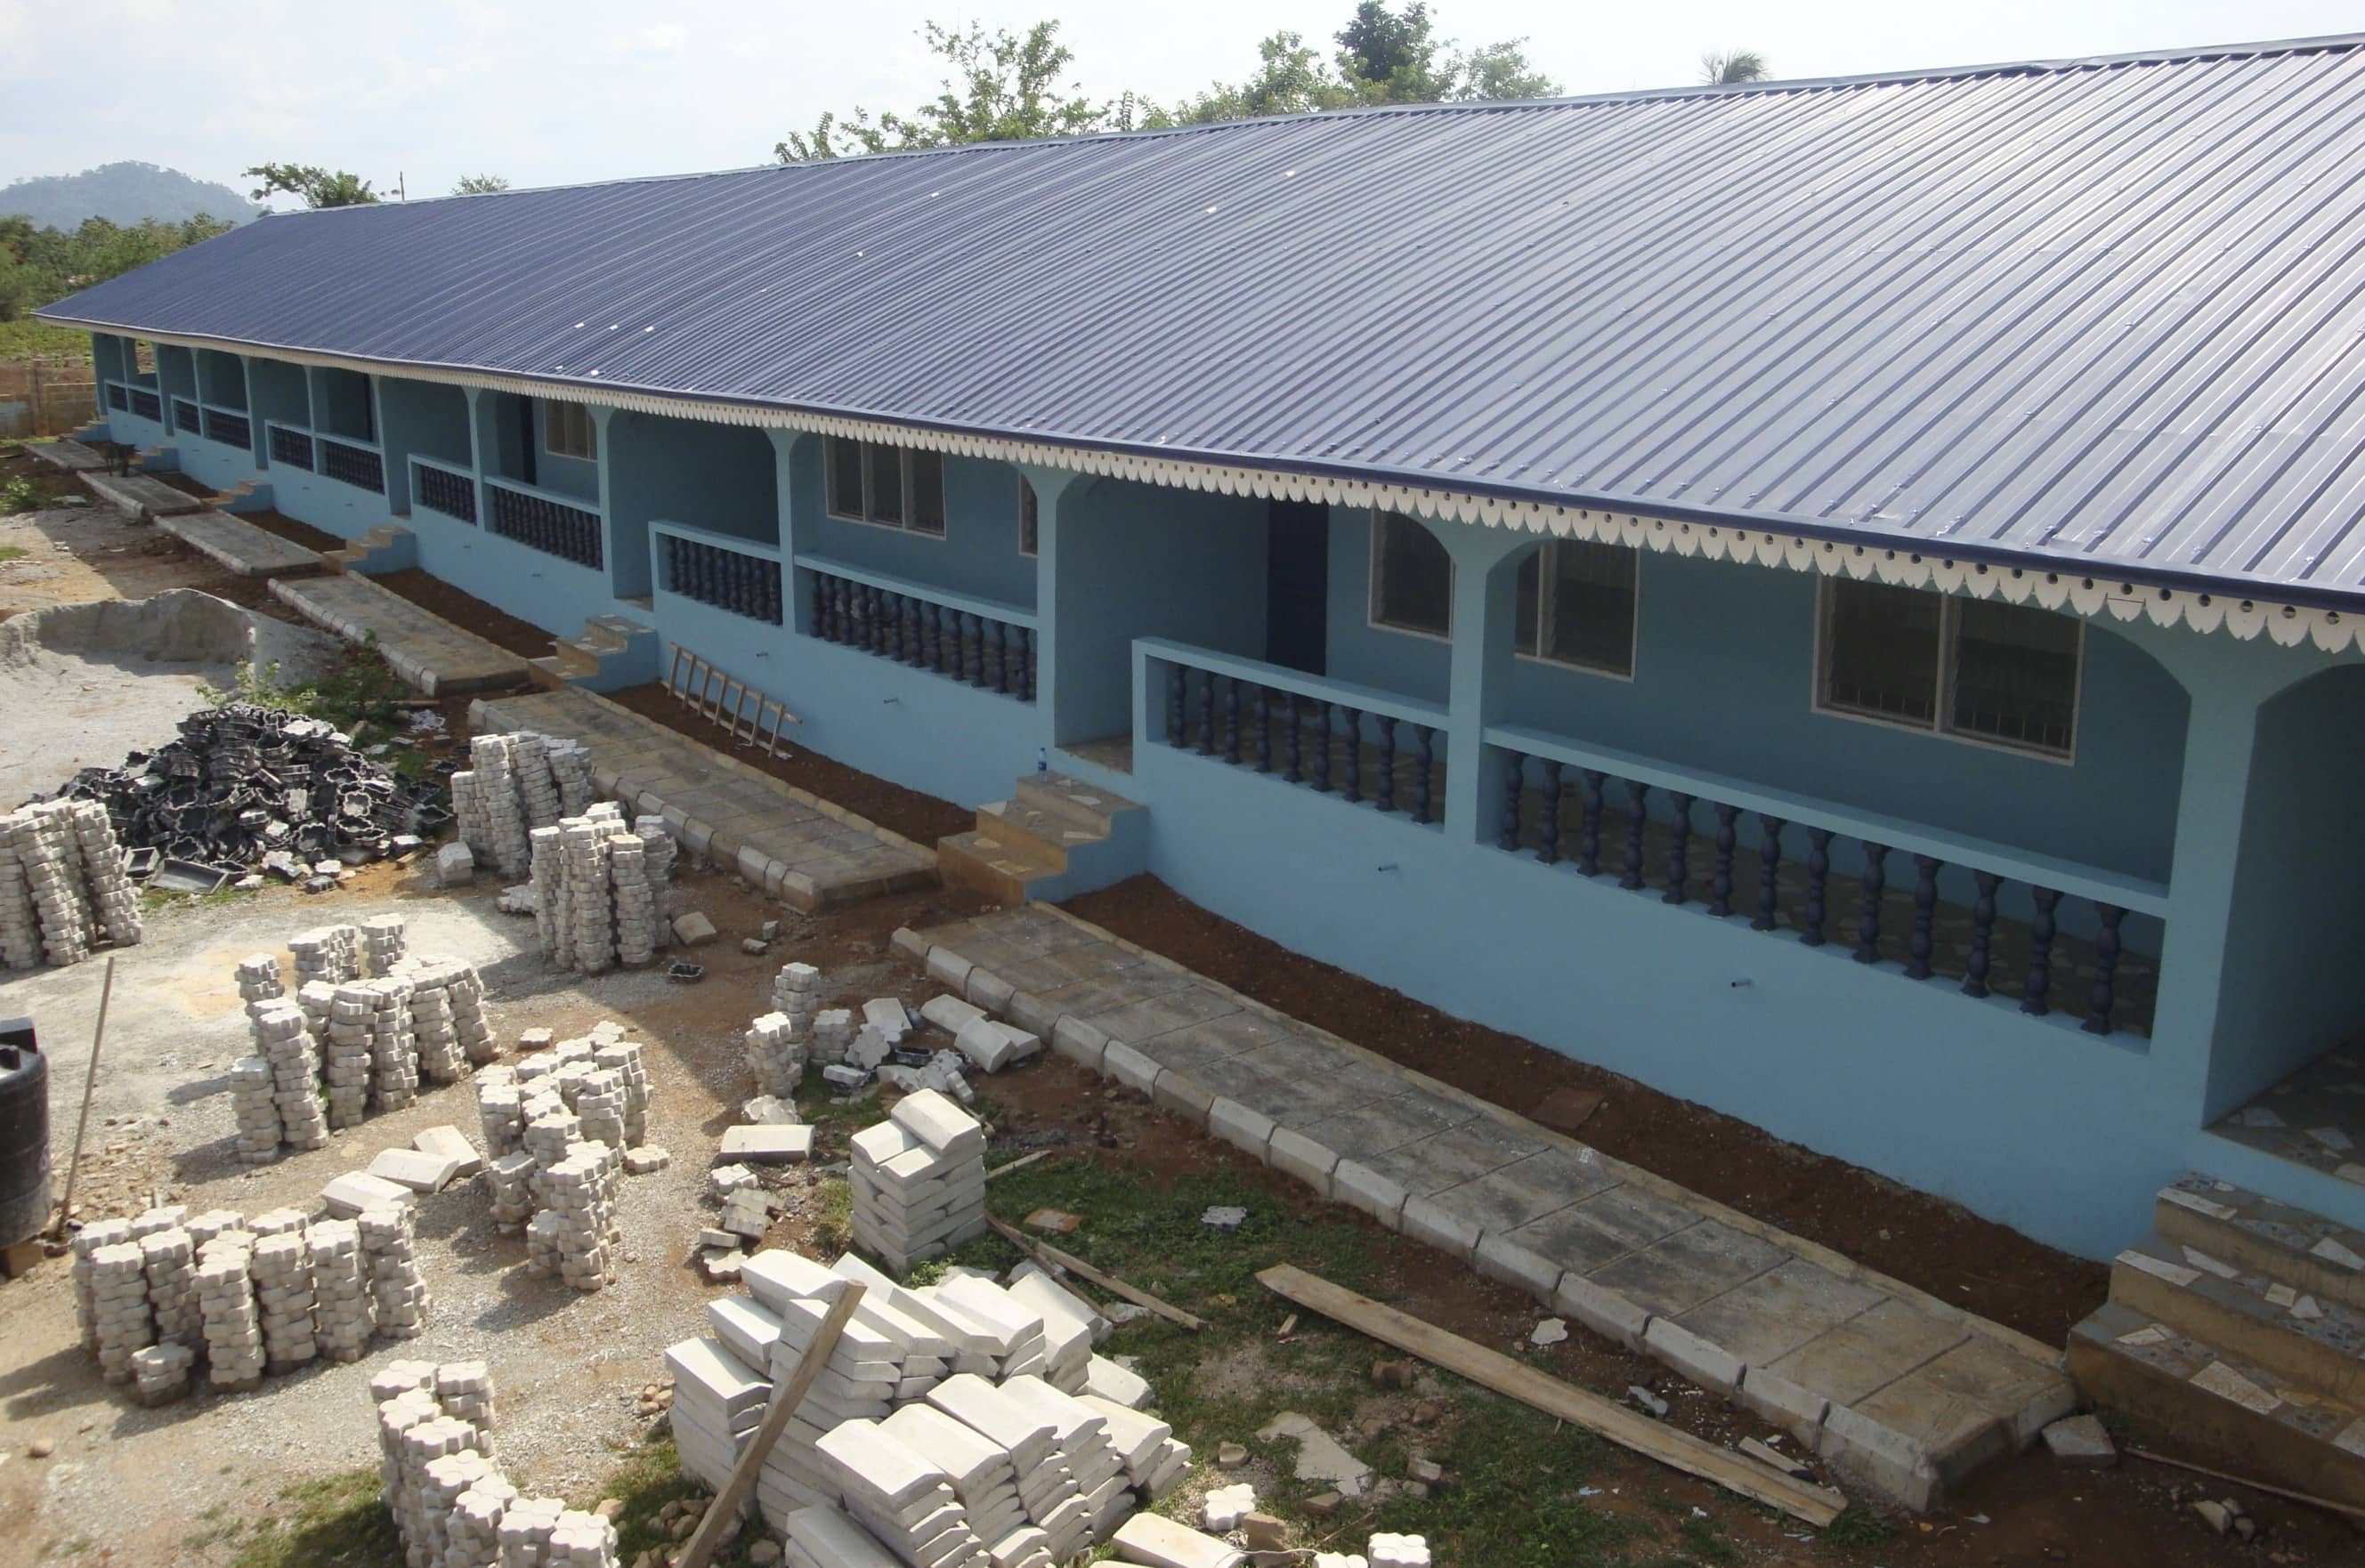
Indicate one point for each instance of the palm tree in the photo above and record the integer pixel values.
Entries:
(1729, 68)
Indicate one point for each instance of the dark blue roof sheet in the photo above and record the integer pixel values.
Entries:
(2103, 312)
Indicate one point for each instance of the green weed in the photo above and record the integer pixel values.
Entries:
(336, 1519)
(18, 494)
(364, 696)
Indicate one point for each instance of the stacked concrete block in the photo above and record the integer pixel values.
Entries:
(983, 1476)
(282, 1267)
(316, 997)
(398, 1290)
(578, 1539)
(230, 1316)
(283, 1040)
(160, 1373)
(341, 1312)
(776, 1054)
(547, 875)
(498, 814)
(718, 1400)
(657, 853)
(384, 943)
(466, 990)
(276, 1222)
(623, 1057)
(570, 772)
(469, 823)
(164, 1216)
(471, 1532)
(43, 847)
(1014, 1336)
(510, 1182)
(346, 1052)
(833, 1034)
(526, 1527)
(905, 1502)
(1081, 1435)
(538, 798)
(637, 931)
(1047, 1487)
(574, 1232)
(826, 1537)
(86, 1241)
(500, 1111)
(121, 1319)
(329, 954)
(442, 1481)
(918, 1180)
(210, 1226)
(115, 902)
(465, 1389)
(600, 1106)
(419, 1502)
(172, 1266)
(796, 994)
(393, 1050)
(258, 978)
(1155, 1459)
(251, 1106)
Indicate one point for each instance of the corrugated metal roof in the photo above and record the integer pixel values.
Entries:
(2100, 312)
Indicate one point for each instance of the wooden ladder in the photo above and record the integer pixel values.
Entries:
(750, 716)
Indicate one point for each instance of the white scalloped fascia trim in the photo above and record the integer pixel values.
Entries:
(2288, 624)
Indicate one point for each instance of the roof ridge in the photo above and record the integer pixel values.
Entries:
(2320, 44)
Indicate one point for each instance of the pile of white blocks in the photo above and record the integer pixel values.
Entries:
(121, 1321)
(62, 886)
(776, 1055)
(447, 1015)
(600, 893)
(384, 942)
(516, 783)
(328, 953)
(341, 1307)
(918, 1180)
(573, 1233)
(347, 1064)
(449, 1501)
(934, 1424)
(160, 1373)
(399, 1298)
(232, 1318)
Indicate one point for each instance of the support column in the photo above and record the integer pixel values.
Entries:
(1485, 585)
(1053, 490)
(394, 437)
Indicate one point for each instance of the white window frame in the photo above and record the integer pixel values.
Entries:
(1544, 618)
(1939, 727)
(557, 411)
(1371, 611)
(903, 455)
(1030, 518)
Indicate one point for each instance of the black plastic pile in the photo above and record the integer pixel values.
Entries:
(248, 785)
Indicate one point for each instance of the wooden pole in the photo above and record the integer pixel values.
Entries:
(786, 1397)
(89, 1083)
(1045, 1254)
(1818, 1506)
(2350, 1509)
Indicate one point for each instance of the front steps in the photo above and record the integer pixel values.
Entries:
(247, 495)
(386, 549)
(609, 654)
(1054, 837)
(2238, 1325)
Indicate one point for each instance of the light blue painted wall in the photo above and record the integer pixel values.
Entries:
(282, 393)
(223, 377)
(109, 357)
(568, 476)
(427, 418)
(1143, 561)
(1724, 683)
(343, 404)
(716, 478)
(978, 555)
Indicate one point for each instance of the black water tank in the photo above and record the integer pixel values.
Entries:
(24, 1133)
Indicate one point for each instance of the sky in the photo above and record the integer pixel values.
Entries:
(558, 91)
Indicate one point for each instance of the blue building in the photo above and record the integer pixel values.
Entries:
(1837, 599)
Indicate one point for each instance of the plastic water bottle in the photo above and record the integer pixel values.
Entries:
(1042, 759)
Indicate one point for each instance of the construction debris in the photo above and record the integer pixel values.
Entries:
(63, 888)
(248, 785)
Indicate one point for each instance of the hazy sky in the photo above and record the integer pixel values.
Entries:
(550, 92)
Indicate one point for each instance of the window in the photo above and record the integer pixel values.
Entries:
(1412, 577)
(569, 430)
(1026, 517)
(143, 357)
(2004, 674)
(895, 487)
(1576, 606)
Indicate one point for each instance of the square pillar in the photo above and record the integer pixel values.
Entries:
(1485, 585)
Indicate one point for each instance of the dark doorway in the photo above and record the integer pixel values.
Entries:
(1297, 585)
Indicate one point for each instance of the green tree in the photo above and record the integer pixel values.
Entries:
(1383, 57)
(315, 187)
(1291, 79)
(480, 185)
(1002, 88)
(39, 265)
(1732, 67)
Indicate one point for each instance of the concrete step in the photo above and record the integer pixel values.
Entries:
(141, 495)
(997, 868)
(239, 545)
(2321, 1257)
(1086, 805)
(2264, 1320)
(547, 673)
(1050, 834)
(2222, 1405)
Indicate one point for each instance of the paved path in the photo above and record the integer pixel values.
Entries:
(796, 847)
(1903, 1394)
(70, 455)
(239, 545)
(426, 650)
(141, 495)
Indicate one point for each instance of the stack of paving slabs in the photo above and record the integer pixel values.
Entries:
(171, 1265)
(823, 1537)
(258, 978)
(718, 1401)
(383, 943)
(623, 1057)
(570, 770)
(251, 1104)
(500, 1111)
(86, 1241)
(345, 1054)
(492, 819)
(747, 1207)
(599, 1105)
(231, 1320)
(447, 1015)
(62, 886)
(634, 919)
(538, 794)
(471, 1531)
(393, 1050)
(160, 1373)
(282, 1039)
(1155, 1461)
(983, 1475)
(1095, 1466)
(919, 1181)
(573, 1233)
(341, 1308)
(329, 953)
(1047, 1486)
(121, 1319)
(833, 1034)
(776, 1055)
(526, 1529)
(905, 1502)
(282, 1267)
(1016, 1339)
(398, 1299)
(578, 1539)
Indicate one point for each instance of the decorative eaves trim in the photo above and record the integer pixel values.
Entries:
(2202, 610)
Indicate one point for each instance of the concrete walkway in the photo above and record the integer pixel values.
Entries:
(798, 847)
(70, 455)
(141, 495)
(238, 545)
(426, 650)
(1903, 1393)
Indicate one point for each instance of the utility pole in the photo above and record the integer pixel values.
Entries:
(401, 186)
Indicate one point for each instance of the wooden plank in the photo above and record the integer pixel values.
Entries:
(673, 674)
(786, 1397)
(1045, 1254)
(1818, 1506)
(2352, 1509)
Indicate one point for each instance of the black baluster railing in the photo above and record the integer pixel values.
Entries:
(1386, 796)
(1638, 805)
(1321, 740)
(2032, 998)
(1352, 755)
(294, 448)
(119, 398)
(1589, 782)
(1176, 679)
(359, 466)
(2106, 970)
(742, 584)
(1232, 721)
(1294, 717)
(1719, 884)
(1206, 711)
(1983, 919)
(1769, 873)
(1679, 849)
(1424, 740)
(909, 629)
(570, 532)
(1515, 784)
(1262, 717)
(1548, 815)
(1925, 914)
(1818, 870)
(147, 405)
(1867, 924)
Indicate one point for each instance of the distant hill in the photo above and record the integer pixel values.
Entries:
(122, 193)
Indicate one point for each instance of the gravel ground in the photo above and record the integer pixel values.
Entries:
(567, 1367)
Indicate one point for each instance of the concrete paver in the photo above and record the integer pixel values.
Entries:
(426, 650)
(141, 495)
(238, 545)
(1906, 1393)
(800, 849)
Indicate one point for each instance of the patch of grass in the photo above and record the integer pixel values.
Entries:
(1510, 1500)
(18, 495)
(1854, 1527)
(12, 552)
(833, 1227)
(822, 1106)
(1705, 1540)
(362, 698)
(335, 1521)
(648, 1481)
(151, 899)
